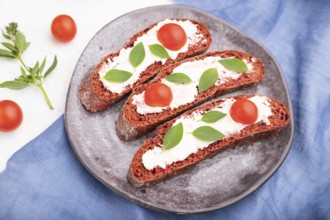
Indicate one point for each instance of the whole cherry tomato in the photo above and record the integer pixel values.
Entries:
(158, 94)
(64, 28)
(244, 111)
(172, 36)
(11, 115)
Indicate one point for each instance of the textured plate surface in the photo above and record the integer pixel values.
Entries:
(214, 183)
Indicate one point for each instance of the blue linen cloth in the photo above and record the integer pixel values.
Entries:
(44, 180)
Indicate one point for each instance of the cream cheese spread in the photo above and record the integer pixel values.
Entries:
(121, 62)
(190, 144)
(186, 93)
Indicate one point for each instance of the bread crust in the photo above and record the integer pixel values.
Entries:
(130, 125)
(139, 176)
(95, 97)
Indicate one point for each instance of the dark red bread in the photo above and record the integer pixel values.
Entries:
(130, 124)
(139, 176)
(95, 97)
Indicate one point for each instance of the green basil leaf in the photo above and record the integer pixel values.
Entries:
(159, 51)
(27, 44)
(6, 53)
(173, 136)
(137, 55)
(51, 68)
(9, 46)
(117, 76)
(212, 116)
(14, 85)
(207, 133)
(178, 78)
(34, 72)
(23, 72)
(23, 79)
(5, 35)
(234, 64)
(42, 66)
(20, 41)
(36, 69)
(208, 79)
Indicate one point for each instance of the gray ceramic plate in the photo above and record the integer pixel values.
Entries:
(214, 183)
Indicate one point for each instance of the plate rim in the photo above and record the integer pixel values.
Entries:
(260, 182)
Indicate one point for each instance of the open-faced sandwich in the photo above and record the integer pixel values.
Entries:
(183, 85)
(203, 132)
(140, 59)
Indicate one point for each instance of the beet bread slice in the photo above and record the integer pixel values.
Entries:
(96, 94)
(148, 166)
(131, 124)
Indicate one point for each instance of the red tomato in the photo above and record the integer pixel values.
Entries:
(64, 28)
(172, 36)
(11, 115)
(244, 111)
(158, 94)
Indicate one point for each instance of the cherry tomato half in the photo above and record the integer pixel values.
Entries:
(11, 115)
(244, 111)
(172, 36)
(64, 28)
(158, 94)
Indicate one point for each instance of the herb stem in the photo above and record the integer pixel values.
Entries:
(22, 62)
(37, 84)
(46, 96)
(29, 75)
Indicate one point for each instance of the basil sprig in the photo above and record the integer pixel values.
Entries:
(15, 46)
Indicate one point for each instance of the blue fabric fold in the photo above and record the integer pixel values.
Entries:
(45, 180)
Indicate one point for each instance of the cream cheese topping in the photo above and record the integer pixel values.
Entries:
(121, 62)
(189, 144)
(186, 93)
